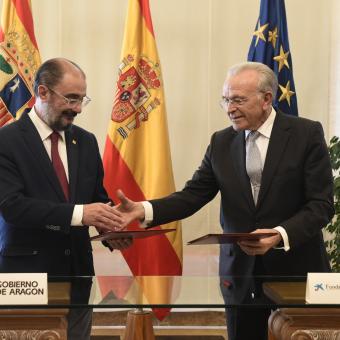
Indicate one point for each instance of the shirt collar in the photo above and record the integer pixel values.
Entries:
(43, 129)
(266, 128)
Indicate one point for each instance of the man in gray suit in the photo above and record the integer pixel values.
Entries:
(274, 174)
(51, 190)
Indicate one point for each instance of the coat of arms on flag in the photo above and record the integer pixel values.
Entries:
(19, 59)
(137, 79)
(15, 85)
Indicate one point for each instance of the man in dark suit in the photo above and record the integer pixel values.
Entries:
(274, 174)
(45, 212)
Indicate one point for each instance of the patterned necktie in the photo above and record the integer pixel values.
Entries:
(253, 163)
(58, 164)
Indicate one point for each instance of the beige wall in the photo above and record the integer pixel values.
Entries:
(197, 41)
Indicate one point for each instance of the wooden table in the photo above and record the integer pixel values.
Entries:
(44, 323)
(299, 323)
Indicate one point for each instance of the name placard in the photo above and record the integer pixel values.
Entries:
(323, 288)
(23, 289)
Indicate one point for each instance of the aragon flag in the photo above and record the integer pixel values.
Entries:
(137, 153)
(19, 59)
(270, 46)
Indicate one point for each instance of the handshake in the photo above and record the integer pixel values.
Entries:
(106, 217)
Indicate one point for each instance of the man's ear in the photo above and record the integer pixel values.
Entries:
(268, 98)
(43, 92)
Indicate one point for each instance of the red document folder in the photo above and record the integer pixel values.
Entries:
(229, 238)
(130, 234)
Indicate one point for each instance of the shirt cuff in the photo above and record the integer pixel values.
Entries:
(285, 239)
(148, 214)
(77, 216)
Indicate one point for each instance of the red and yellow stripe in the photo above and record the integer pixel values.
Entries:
(137, 153)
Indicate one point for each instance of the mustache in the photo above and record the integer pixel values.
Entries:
(69, 113)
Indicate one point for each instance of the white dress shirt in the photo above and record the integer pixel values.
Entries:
(44, 132)
(262, 142)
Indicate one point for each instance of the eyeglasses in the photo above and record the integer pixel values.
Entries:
(72, 102)
(236, 101)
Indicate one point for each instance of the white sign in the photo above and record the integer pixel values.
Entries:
(323, 288)
(23, 289)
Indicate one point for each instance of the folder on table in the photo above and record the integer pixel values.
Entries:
(229, 238)
(142, 233)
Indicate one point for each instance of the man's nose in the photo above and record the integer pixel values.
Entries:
(78, 107)
(231, 108)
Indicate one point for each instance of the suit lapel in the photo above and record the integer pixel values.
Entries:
(33, 141)
(238, 154)
(72, 159)
(277, 144)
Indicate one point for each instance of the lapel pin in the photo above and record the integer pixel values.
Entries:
(74, 141)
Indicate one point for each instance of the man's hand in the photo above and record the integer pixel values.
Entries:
(261, 246)
(103, 216)
(120, 243)
(129, 209)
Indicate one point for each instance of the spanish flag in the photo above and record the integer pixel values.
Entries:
(137, 154)
(19, 59)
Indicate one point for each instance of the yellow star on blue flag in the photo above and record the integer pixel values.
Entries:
(273, 50)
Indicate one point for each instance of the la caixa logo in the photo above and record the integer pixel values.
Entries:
(326, 286)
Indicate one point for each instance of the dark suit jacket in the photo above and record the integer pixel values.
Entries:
(35, 232)
(296, 193)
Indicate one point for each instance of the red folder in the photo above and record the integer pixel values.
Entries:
(130, 234)
(229, 238)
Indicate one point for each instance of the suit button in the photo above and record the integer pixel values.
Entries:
(67, 252)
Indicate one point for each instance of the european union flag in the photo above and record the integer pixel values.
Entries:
(270, 46)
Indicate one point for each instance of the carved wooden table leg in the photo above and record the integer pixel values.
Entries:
(270, 335)
(285, 322)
